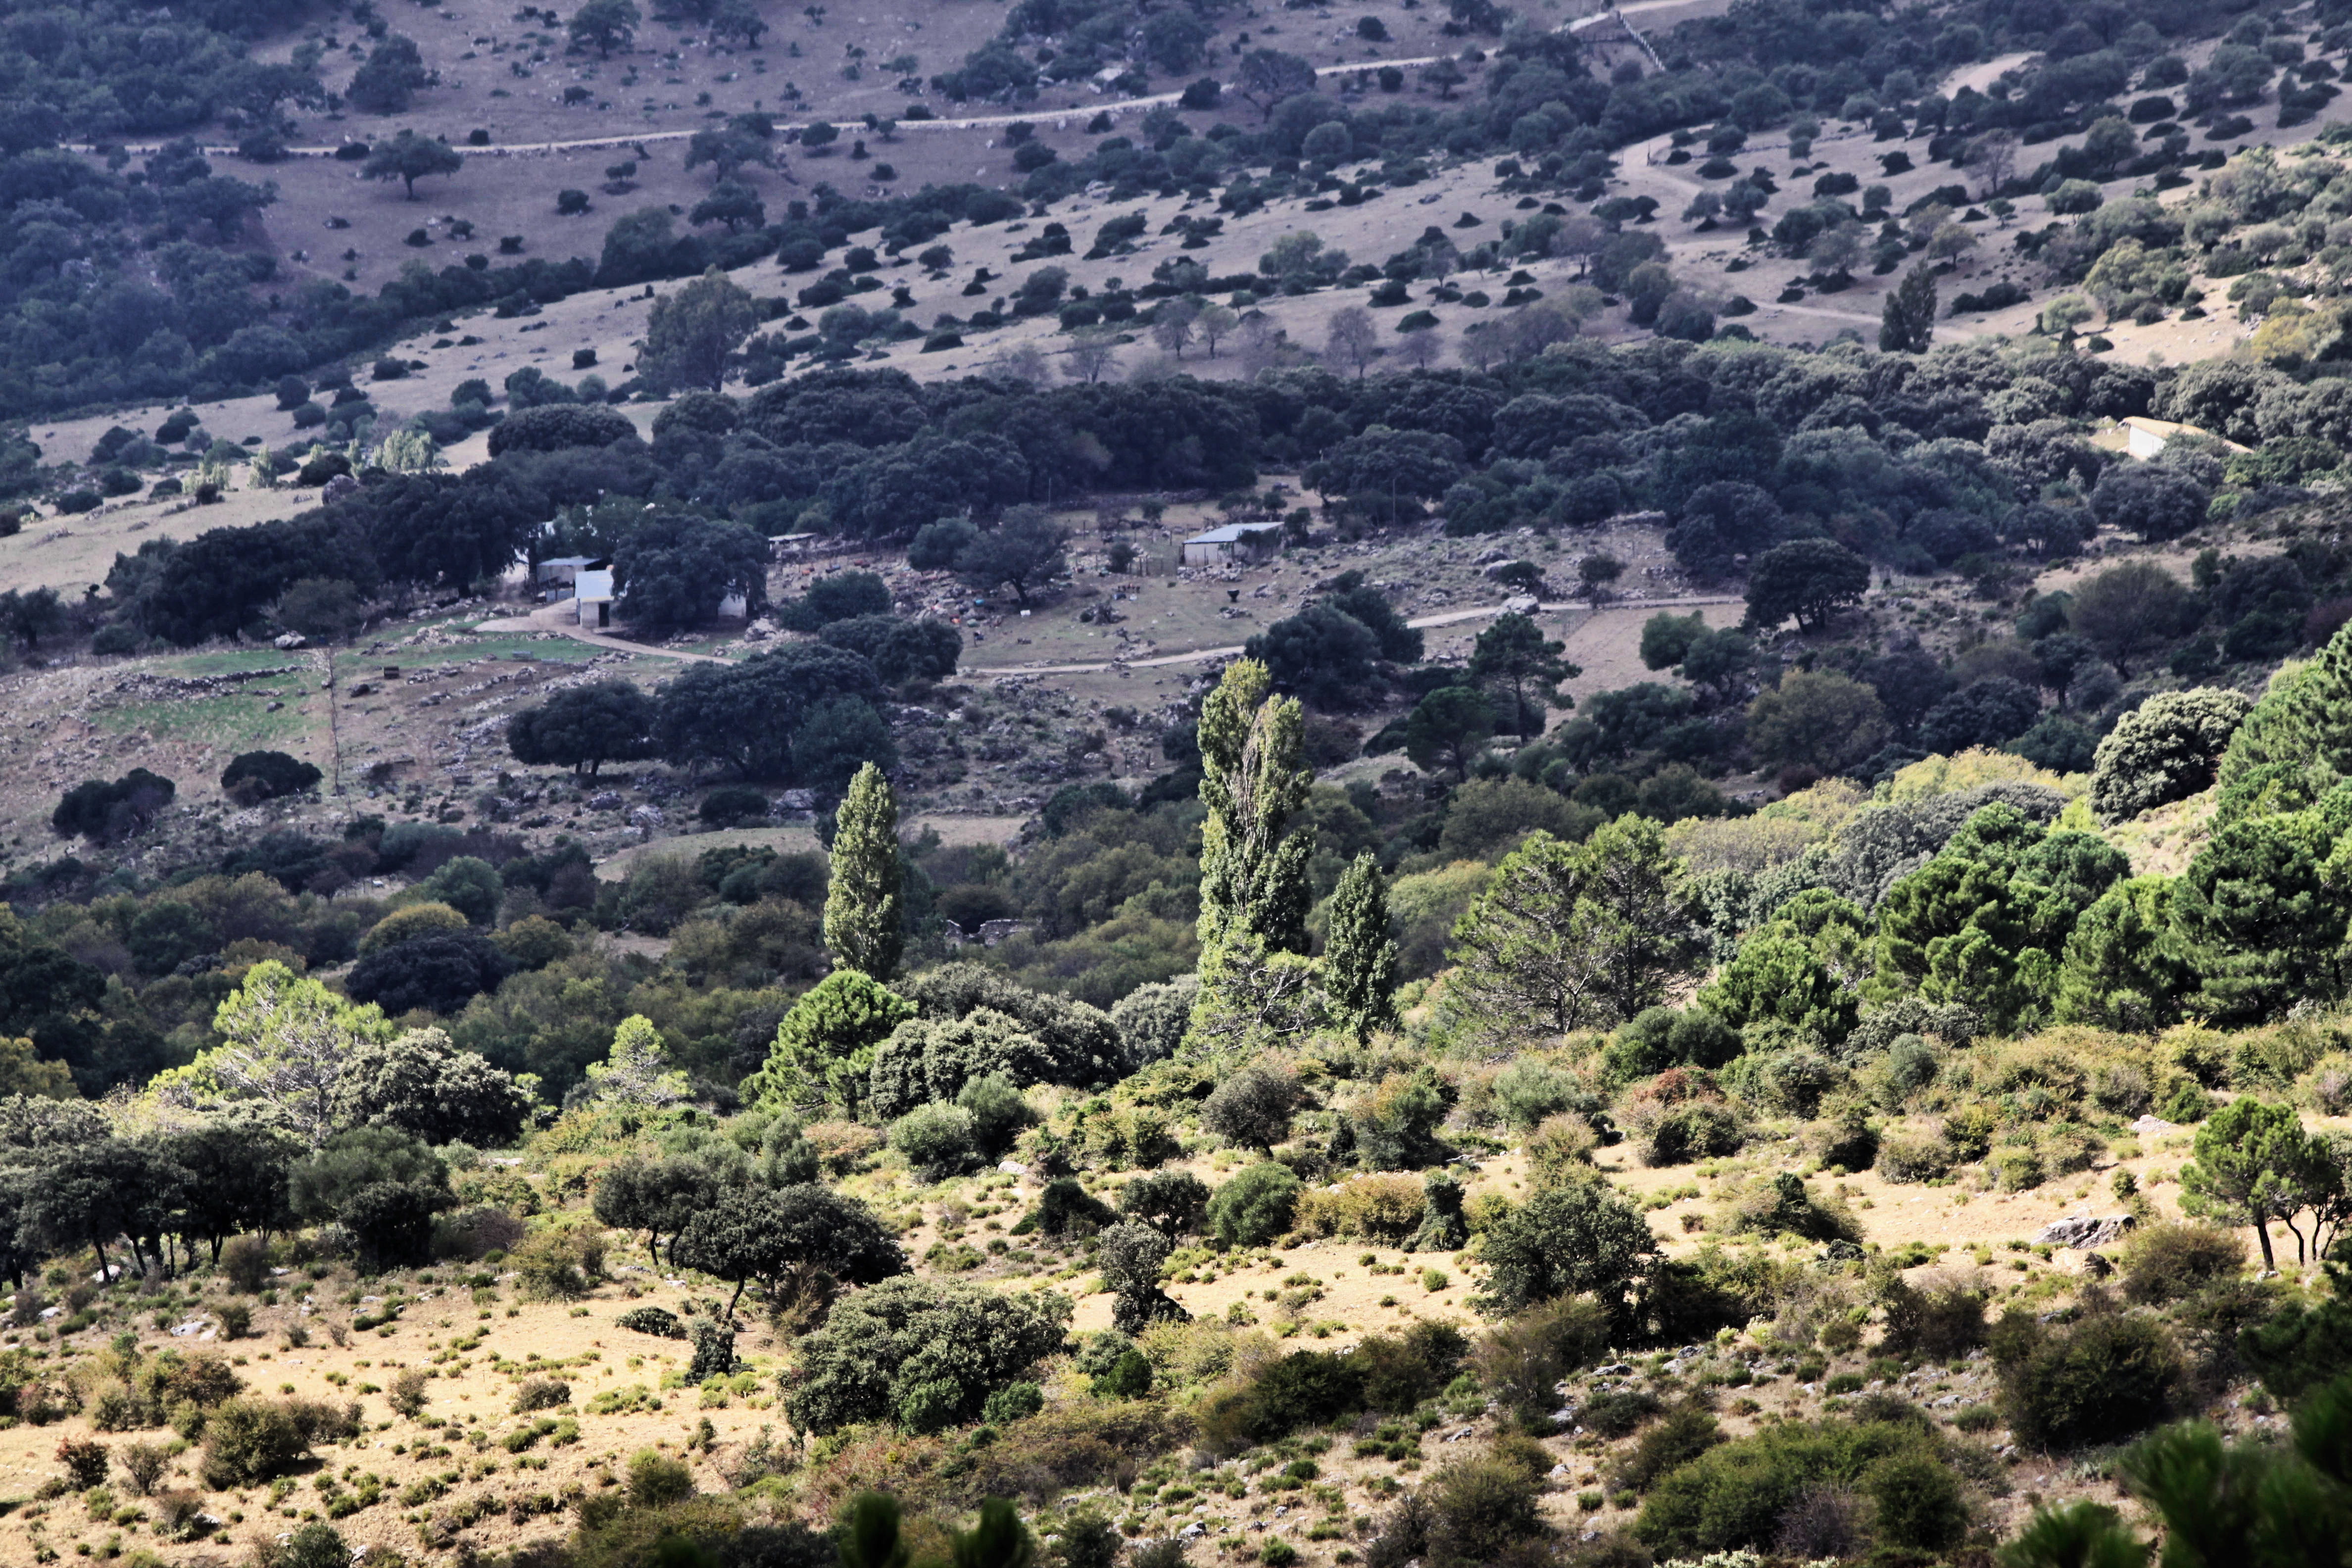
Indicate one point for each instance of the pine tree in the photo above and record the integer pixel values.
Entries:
(861, 911)
(1908, 324)
(2297, 742)
(1254, 886)
(1360, 958)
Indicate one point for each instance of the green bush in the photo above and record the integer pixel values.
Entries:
(1066, 1206)
(542, 1393)
(937, 1140)
(1734, 1495)
(247, 1442)
(1255, 1206)
(1480, 1508)
(1688, 1432)
(1916, 1502)
(1695, 1131)
(2097, 1380)
(1014, 1402)
(1903, 1159)
(1940, 1318)
(2173, 1261)
(656, 1481)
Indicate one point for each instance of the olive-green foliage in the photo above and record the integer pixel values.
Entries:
(862, 917)
(2165, 750)
(1521, 1361)
(1733, 1495)
(656, 1481)
(1396, 1121)
(317, 1544)
(823, 1049)
(1577, 1238)
(1686, 1431)
(1252, 1108)
(247, 1442)
(937, 1140)
(410, 923)
(1063, 1208)
(1082, 1046)
(1151, 1020)
(924, 1354)
(1255, 1206)
(1172, 1201)
(2095, 1381)
(1660, 1038)
(924, 1061)
(1530, 1091)
(2170, 1262)
(1940, 1318)
(1311, 1388)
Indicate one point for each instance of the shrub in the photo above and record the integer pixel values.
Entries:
(1014, 1402)
(143, 1464)
(85, 1462)
(2096, 1381)
(2170, 1262)
(407, 1396)
(1736, 1494)
(1173, 1202)
(731, 803)
(1375, 1208)
(1481, 1509)
(253, 777)
(656, 1481)
(245, 1262)
(937, 1140)
(542, 1393)
(1255, 1206)
(1905, 1158)
(1687, 1433)
(1567, 1241)
(1064, 1207)
(247, 1443)
(1520, 1362)
(235, 1319)
(652, 1320)
(1916, 1502)
(1687, 1133)
(1304, 1388)
(1939, 1317)
(558, 1265)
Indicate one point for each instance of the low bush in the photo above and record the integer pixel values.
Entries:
(1383, 1208)
(652, 1320)
(1064, 1208)
(1734, 1495)
(1904, 1158)
(1938, 1318)
(1700, 1131)
(1686, 1431)
(542, 1393)
(407, 1396)
(2171, 1262)
(936, 1139)
(558, 1265)
(1481, 1509)
(1255, 1206)
(1520, 1362)
(247, 1442)
(2096, 1381)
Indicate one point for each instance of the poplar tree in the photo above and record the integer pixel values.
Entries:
(1359, 957)
(1254, 887)
(861, 910)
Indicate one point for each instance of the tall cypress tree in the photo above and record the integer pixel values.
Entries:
(861, 908)
(1908, 323)
(1359, 957)
(1253, 887)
